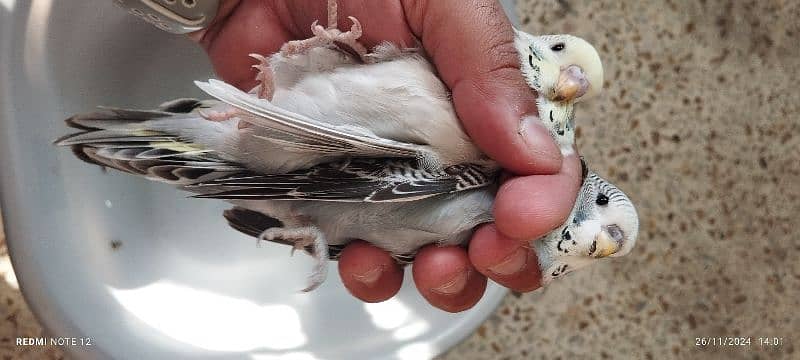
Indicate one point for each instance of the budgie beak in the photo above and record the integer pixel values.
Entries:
(572, 84)
(608, 241)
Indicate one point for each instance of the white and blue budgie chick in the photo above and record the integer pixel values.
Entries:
(338, 144)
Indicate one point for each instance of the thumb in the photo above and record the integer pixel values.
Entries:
(471, 43)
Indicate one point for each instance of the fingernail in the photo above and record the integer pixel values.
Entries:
(455, 285)
(369, 277)
(538, 138)
(512, 264)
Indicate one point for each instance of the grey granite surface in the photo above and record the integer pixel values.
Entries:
(699, 125)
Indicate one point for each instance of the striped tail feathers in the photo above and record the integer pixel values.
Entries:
(111, 117)
(116, 138)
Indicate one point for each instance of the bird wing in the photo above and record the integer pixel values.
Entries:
(358, 180)
(299, 132)
(124, 139)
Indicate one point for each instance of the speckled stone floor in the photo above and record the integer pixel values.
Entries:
(16, 320)
(699, 126)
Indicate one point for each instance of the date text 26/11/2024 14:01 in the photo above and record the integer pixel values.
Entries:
(738, 341)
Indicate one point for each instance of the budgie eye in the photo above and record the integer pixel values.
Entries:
(558, 47)
(601, 200)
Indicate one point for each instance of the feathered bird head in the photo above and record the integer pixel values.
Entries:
(603, 223)
(562, 68)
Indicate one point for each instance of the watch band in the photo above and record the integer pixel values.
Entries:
(174, 16)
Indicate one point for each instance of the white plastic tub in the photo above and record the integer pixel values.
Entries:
(135, 267)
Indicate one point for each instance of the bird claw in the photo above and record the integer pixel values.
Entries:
(299, 47)
(355, 30)
(266, 88)
(350, 39)
(319, 31)
(261, 58)
(300, 245)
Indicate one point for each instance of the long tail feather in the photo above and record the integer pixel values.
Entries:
(120, 139)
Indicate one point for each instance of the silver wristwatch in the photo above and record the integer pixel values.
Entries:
(175, 16)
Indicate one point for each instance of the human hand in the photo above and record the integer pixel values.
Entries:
(471, 44)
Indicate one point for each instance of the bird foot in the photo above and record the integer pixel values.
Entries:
(303, 237)
(214, 115)
(346, 41)
(219, 116)
(266, 85)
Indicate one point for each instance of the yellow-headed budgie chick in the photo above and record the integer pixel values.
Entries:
(338, 144)
(564, 70)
